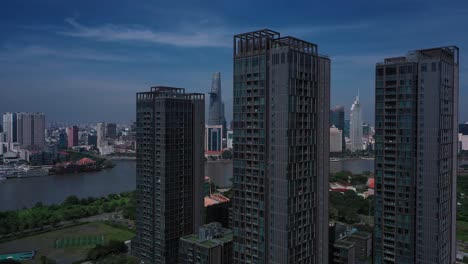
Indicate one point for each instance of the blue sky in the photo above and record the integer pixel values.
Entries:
(83, 61)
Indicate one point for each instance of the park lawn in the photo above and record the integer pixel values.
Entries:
(45, 244)
(462, 230)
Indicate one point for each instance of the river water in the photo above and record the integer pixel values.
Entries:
(19, 193)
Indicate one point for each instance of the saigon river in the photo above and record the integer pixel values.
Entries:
(53, 189)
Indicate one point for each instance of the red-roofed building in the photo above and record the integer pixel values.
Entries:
(217, 209)
(371, 183)
(85, 162)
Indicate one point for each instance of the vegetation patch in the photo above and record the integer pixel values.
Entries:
(80, 241)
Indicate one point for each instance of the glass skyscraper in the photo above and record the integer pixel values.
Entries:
(416, 157)
(281, 149)
(337, 119)
(170, 171)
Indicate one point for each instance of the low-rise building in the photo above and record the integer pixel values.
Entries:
(363, 246)
(343, 252)
(212, 245)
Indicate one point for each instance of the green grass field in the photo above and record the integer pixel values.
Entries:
(81, 241)
(67, 245)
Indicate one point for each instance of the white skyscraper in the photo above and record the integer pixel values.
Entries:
(355, 126)
(9, 127)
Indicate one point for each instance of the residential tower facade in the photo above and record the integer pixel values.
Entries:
(280, 147)
(170, 171)
(416, 157)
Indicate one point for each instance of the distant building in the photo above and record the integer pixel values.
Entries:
(111, 131)
(463, 129)
(10, 127)
(363, 246)
(336, 139)
(62, 140)
(216, 105)
(169, 171)
(230, 137)
(366, 130)
(27, 129)
(102, 141)
(101, 134)
(72, 135)
(343, 252)
(92, 139)
(355, 132)
(346, 129)
(337, 115)
(212, 245)
(463, 139)
(31, 129)
(214, 138)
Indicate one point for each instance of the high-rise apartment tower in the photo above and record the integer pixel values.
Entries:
(281, 150)
(416, 157)
(170, 171)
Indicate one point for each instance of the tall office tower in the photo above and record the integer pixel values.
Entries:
(170, 171)
(346, 128)
(101, 134)
(72, 135)
(62, 141)
(216, 105)
(214, 138)
(111, 130)
(337, 114)
(281, 150)
(10, 127)
(355, 125)
(224, 122)
(416, 156)
(30, 129)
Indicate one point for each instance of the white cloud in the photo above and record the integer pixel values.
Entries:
(199, 34)
(190, 36)
(16, 53)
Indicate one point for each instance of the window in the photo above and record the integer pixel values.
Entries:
(390, 71)
(379, 72)
(403, 70)
(424, 67)
(434, 66)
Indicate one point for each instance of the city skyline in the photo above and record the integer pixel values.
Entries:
(79, 57)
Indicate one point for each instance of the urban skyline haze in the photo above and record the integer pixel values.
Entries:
(83, 62)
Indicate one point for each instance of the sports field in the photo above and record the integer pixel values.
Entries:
(66, 245)
(80, 241)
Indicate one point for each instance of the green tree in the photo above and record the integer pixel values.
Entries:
(71, 200)
(227, 154)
